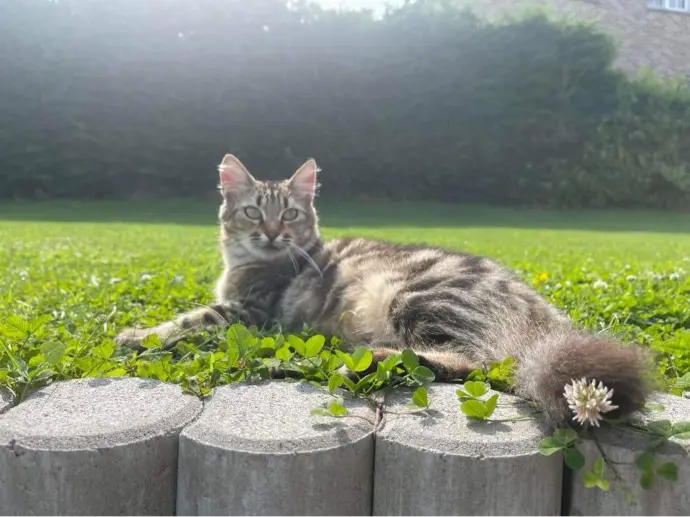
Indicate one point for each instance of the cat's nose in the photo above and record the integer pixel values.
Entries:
(272, 231)
(272, 235)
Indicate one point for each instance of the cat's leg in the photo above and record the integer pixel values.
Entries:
(440, 331)
(446, 366)
(218, 315)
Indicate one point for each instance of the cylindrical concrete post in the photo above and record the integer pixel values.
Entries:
(257, 450)
(94, 447)
(624, 446)
(441, 463)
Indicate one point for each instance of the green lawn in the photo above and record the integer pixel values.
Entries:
(75, 273)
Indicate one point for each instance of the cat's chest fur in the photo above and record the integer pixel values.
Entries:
(286, 291)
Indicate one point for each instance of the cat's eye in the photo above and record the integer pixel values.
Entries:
(290, 214)
(252, 212)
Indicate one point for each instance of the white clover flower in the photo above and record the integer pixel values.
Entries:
(631, 278)
(114, 281)
(673, 276)
(588, 401)
(600, 284)
(145, 277)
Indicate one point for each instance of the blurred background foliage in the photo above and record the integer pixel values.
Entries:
(131, 99)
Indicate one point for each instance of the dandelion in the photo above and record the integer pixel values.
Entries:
(588, 401)
(543, 277)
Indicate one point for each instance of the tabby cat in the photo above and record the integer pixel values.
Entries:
(457, 311)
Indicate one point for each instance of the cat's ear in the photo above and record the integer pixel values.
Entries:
(303, 182)
(234, 176)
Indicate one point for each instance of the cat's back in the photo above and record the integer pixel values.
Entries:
(361, 258)
(363, 278)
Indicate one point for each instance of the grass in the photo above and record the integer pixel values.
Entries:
(77, 273)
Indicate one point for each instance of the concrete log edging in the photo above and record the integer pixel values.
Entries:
(94, 447)
(139, 447)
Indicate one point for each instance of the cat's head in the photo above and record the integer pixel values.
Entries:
(264, 220)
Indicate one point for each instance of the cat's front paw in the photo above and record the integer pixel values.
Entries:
(131, 338)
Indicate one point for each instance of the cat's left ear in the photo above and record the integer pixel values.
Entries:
(303, 182)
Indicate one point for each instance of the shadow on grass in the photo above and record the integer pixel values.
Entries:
(354, 215)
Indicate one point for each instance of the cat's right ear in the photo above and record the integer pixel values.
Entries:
(234, 176)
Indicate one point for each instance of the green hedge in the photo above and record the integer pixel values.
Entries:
(638, 156)
(105, 99)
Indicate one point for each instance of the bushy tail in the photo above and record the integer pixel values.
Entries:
(559, 357)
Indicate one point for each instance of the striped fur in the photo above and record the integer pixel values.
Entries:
(456, 310)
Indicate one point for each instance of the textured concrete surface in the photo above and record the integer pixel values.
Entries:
(5, 400)
(256, 450)
(94, 447)
(665, 497)
(440, 463)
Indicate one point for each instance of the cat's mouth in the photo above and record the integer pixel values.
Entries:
(273, 245)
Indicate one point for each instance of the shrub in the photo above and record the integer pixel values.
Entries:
(636, 157)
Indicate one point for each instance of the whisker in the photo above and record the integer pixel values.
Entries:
(307, 257)
(292, 259)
